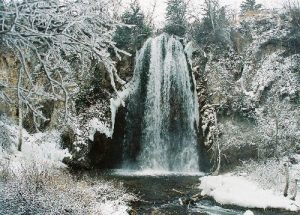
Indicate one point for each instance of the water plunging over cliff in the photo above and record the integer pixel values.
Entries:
(163, 110)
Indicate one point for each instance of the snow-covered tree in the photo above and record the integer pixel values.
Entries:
(176, 17)
(293, 37)
(133, 36)
(213, 27)
(54, 42)
(250, 5)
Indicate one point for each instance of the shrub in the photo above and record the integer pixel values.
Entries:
(293, 38)
(38, 189)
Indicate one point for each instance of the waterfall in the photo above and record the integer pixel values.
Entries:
(163, 110)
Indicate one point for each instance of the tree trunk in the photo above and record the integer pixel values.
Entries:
(295, 191)
(287, 178)
(216, 172)
(20, 108)
(20, 139)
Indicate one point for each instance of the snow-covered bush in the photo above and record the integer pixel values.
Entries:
(44, 191)
(35, 181)
(268, 174)
(5, 141)
(43, 148)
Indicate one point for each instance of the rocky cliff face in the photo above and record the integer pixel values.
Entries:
(8, 74)
(249, 94)
(95, 135)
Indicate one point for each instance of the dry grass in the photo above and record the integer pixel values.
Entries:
(38, 190)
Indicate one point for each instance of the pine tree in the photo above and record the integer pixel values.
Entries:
(250, 5)
(176, 17)
(134, 36)
(213, 27)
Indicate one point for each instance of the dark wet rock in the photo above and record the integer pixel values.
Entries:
(102, 152)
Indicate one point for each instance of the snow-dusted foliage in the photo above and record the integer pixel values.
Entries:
(92, 119)
(54, 43)
(41, 148)
(37, 191)
(255, 90)
(271, 174)
(35, 180)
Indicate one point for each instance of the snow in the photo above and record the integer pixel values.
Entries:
(237, 190)
(248, 212)
(116, 103)
(96, 125)
(113, 201)
(41, 159)
(103, 127)
(40, 148)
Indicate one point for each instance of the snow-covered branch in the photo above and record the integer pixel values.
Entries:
(48, 37)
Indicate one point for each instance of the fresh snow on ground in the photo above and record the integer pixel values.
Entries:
(248, 212)
(237, 190)
(38, 174)
(40, 148)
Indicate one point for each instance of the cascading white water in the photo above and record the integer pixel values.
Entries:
(163, 111)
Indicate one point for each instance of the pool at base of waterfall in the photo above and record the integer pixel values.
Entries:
(161, 193)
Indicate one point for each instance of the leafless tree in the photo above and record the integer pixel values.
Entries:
(54, 42)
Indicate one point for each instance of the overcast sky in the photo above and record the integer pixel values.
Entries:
(234, 4)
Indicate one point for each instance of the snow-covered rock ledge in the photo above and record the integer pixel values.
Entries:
(239, 191)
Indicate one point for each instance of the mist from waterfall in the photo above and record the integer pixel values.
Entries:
(163, 110)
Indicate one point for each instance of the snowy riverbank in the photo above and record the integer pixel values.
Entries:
(237, 190)
(35, 181)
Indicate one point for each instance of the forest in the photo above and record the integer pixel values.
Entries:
(115, 107)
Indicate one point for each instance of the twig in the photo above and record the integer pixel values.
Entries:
(177, 191)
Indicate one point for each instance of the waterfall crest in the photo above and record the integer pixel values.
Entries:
(163, 110)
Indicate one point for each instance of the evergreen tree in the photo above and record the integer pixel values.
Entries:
(176, 17)
(292, 40)
(213, 27)
(250, 5)
(133, 37)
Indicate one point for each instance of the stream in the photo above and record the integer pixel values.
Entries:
(159, 198)
(158, 194)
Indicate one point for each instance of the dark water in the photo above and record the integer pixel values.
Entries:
(159, 198)
(157, 192)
